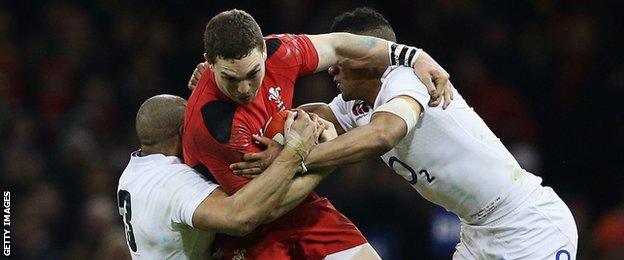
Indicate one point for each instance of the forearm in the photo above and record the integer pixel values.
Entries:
(299, 189)
(259, 197)
(357, 51)
(350, 50)
(359, 144)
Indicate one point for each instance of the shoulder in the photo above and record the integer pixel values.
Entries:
(284, 50)
(400, 73)
(401, 79)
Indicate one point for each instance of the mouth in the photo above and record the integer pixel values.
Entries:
(338, 85)
(246, 98)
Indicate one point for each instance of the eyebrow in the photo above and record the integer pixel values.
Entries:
(249, 74)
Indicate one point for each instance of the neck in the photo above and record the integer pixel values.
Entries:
(167, 150)
(371, 87)
(370, 91)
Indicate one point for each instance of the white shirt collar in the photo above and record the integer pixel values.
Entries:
(157, 157)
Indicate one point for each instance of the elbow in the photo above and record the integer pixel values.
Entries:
(244, 225)
(382, 142)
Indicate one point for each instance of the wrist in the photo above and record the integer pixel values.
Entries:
(289, 156)
(299, 147)
(403, 55)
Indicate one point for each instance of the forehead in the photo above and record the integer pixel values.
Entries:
(242, 65)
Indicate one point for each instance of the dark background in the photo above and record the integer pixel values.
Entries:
(545, 75)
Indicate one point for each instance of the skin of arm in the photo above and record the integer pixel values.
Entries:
(357, 51)
(350, 50)
(299, 189)
(383, 132)
(323, 111)
(242, 212)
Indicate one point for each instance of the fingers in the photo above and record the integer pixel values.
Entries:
(428, 81)
(196, 75)
(244, 167)
(201, 67)
(447, 95)
(239, 166)
(289, 121)
(302, 115)
(314, 117)
(265, 140)
(248, 172)
(452, 87)
(326, 124)
(250, 157)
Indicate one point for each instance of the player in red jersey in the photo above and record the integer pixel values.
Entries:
(251, 78)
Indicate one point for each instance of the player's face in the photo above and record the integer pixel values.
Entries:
(351, 82)
(240, 79)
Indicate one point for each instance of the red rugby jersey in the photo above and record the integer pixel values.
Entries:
(217, 131)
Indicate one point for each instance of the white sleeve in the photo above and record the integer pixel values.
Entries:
(403, 82)
(188, 190)
(342, 111)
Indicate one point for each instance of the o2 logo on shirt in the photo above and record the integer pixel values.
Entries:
(563, 255)
(274, 95)
(411, 170)
(360, 108)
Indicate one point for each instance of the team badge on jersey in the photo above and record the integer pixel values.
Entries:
(274, 95)
(360, 109)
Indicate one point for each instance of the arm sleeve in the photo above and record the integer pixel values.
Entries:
(402, 82)
(303, 51)
(342, 111)
(189, 189)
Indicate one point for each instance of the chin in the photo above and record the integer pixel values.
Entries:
(347, 97)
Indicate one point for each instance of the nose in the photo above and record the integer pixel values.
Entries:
(244, 87)
(333, 70)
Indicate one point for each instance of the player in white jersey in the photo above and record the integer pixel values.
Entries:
(170, 211)
(449, 156)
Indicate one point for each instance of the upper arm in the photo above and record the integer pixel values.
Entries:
(394, 126)
(326, 50)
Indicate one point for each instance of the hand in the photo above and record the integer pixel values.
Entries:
(329, 131)
(435, 78)
(196, 75)
(255, 163)
(302, 133)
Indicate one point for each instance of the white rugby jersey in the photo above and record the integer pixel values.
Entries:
(157, 196)
(450, 157)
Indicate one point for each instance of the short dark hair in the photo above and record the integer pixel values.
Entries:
(231, 35)
(364, 21)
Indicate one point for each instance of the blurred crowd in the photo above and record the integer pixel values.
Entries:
(545, 75)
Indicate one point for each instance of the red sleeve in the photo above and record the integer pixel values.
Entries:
(298, 50)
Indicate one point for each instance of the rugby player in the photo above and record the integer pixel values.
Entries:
(249, 79)
(449, 156)
(171, 211)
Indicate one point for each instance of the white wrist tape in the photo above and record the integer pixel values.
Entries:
(402, 55)
(292, 138)
(402, 109)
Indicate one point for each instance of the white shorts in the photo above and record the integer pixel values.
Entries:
(540, 228)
